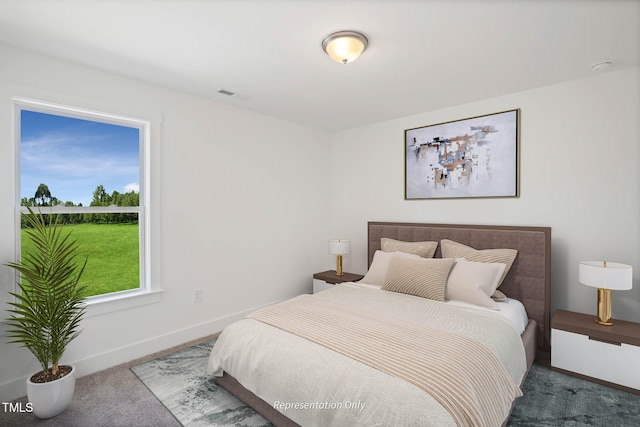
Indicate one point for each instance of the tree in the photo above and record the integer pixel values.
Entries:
(100, 197)
(130, 199)
(43, 196)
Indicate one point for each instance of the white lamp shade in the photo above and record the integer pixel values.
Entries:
(614, 276)
(339, 246)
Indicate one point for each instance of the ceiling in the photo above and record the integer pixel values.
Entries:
(422, 55)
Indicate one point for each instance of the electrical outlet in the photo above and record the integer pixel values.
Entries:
(197, 295)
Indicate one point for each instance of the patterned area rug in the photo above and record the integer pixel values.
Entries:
(181, 383)
(553, 399)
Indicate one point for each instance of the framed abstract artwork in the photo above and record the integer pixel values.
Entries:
(474, 157)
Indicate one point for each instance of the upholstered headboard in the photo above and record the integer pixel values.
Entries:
(528, 280)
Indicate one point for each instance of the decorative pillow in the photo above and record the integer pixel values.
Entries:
(474, 282)
(498, 296)
(451, 249)
(379, 266)
(423, 277)
(423, 249)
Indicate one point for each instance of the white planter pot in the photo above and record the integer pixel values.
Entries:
(52, 398)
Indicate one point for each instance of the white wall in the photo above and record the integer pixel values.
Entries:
(243, 204)
(240, 207)
(580, 151)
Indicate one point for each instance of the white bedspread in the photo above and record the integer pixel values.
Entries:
(315, 386)
(511, 309)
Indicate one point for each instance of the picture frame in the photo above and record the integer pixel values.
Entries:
(476, 157)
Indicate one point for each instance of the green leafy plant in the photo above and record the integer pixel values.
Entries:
(49, 306)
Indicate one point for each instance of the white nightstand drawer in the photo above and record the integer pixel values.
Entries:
(320, 285)
(616, 363)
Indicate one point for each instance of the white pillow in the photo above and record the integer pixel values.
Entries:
(474, 282)
(380, 265)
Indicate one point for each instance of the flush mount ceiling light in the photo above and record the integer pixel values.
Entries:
(345, 46)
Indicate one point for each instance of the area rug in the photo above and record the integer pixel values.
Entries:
(553, 399)
(181, 383)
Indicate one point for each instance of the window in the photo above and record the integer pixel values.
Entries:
(89, 168)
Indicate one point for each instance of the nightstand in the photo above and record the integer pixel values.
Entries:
(605, 354)
(327, 279)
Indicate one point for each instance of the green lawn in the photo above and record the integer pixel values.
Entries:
(112, 252)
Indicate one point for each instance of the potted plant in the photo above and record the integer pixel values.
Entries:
(46, 314)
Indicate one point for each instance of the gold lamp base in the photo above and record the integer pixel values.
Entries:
(339, 265)
(604, 307)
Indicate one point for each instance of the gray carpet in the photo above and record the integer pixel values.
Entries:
(110, 398)
(116, 397)
(550, 398)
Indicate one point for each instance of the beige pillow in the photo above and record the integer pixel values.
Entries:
(423, 277)
(474, 282)
(379, 266)
(451, 249)
(498, 296)
(423, 249)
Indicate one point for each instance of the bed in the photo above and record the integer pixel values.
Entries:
(361, 355)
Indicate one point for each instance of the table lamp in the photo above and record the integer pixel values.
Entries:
(605, 276)
(339, 247)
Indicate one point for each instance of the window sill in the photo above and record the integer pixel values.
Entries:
(99, 305)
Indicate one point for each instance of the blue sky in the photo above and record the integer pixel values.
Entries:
(73, 156)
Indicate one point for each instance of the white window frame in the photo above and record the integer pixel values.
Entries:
(104, 303)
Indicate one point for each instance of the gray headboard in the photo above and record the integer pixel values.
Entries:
(528, 280)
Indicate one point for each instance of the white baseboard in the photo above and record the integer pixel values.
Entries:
(16, 388)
